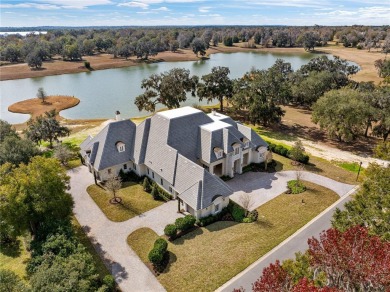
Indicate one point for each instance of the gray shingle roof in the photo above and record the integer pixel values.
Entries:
(104, 152)
(255, 139)
(171, 144)
(196, 186)
(141, 140)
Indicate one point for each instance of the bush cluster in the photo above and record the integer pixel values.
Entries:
(283, 151)
(238, 213)
(185, 223)
(158, 252)
(212, 218)
(295, 187)
(170, 230)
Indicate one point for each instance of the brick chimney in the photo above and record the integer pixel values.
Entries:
(117, 115)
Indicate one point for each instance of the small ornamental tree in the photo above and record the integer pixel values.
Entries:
(113, 185)
(297, 152)
(146, 185)
(63, 154)
(154, 192)
(41, 94)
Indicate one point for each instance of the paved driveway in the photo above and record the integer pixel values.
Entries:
(109, 238)
(262, 186)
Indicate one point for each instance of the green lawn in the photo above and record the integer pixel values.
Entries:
(135, 201)
(319, 166)
(14, 258)
(205, 259)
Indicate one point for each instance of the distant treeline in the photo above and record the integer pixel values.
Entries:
(142, 42)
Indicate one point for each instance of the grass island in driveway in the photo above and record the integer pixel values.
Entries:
(206, 258)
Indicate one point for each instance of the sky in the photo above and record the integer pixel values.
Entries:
(17, 13)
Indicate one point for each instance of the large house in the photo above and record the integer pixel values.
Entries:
(184, 150)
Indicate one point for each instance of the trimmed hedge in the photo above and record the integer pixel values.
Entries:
(158, 252)
(211, 218)
(283, 151)
(170, 230)
(185, 223)
(238, 213)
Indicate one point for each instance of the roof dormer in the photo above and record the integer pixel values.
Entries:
(218, 152)
(120, 146)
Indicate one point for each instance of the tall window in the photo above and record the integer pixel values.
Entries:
(236, 150)
(109, 171)
(152, 174)
(124, 166)
(216, 208)
(162, 182)
(148, 170)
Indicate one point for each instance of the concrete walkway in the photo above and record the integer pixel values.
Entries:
(109, 238)
(262, 186)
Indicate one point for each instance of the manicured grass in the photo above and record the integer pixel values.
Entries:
(14, 258)
(352, 167)
(206, 258)
(84, 240)
(135, 201)
(319, 166)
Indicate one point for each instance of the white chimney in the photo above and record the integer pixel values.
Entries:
(117, 115)
(213, 112)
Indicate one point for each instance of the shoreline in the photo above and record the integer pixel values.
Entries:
(363, 58)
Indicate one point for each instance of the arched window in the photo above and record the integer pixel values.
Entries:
(218, 152)
(120, 146)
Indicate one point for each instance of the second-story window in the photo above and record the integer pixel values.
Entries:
(236, 150)
(120, 146)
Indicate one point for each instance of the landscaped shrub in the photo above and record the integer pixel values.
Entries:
(237, 211)
(146, 185)
(283, 151)
(164, 195)
(212, 218)
(155, 256)
(161, 244)
(253, 215)
(296, 186)
(247, 168)
(170, 230)
(189, 221)
(155, 193)
(158, 253)
(109, 281)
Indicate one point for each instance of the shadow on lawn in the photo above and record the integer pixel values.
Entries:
(11, 249)
(188, 236)
(116, 269)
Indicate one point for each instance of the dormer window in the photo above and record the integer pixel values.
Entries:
(245, 141)
(236, 147)
(218, 152)
(120, 146)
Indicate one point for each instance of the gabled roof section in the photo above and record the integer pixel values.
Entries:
(183, 134)
(255, 139)
(197, 187)
(159, 156)
(141, 140)
(104, 152)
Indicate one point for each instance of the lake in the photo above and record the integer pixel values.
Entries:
(103, 92)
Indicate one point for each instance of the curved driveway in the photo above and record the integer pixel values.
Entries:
(109, 238)
(263, 186)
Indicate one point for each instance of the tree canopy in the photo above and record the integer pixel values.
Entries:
(216, 85)
(34, 193)
(370, 205)
(168, 88)
(342, 113)
(46, 128)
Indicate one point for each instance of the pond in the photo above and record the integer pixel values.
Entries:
(103, 92)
